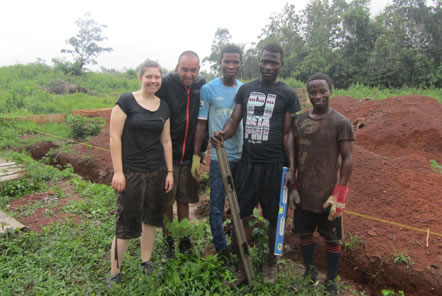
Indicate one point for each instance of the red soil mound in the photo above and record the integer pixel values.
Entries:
(393, 180)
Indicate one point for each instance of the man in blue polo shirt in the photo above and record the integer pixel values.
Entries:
(217, 101)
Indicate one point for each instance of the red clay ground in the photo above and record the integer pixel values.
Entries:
(392, 180)
(41, 209)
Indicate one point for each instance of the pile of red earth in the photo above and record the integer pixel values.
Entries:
(392, 181)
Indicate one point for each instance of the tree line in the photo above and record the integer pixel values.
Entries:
(401, 46)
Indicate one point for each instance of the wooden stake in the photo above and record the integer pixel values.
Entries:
(428, 235)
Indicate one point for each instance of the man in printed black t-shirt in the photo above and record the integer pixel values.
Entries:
(266, 107)
(181, 90)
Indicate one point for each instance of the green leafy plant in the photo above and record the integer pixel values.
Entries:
(386, 292)
(18, 188)
(82, 127)
(352, 243)
(437, 167)
(183, 228)
(402, 257)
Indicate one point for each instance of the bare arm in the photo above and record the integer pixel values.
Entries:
(230, 126)
(117, 121)
(346, 151)
(167, 147)
(289, 148)
(200, 134)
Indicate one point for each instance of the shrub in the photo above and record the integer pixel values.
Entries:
(82, 127)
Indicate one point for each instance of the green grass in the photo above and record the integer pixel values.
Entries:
(21, 133)
(437, 167)
(402, 257)
(351, 242)
(361, 92)
(23, 90)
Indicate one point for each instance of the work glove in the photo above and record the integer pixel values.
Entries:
(336, 201)
(195, 170)
(203, 157)
(294, 198)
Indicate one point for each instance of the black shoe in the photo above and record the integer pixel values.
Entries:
(225, 256)
(311, 275)
(331, 287)
(185, 245)
(148, 267)
(269, 269)
(113, 279)
(170, 249)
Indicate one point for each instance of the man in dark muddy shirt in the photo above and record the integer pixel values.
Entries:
(321, 136)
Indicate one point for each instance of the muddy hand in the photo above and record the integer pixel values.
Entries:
(217, 139)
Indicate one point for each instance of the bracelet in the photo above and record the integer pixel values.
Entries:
(170, 171)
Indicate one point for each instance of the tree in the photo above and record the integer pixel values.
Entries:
(408, 50)
(324, 38)
(85, 44)
(249, 68)
(360, 35)
(221, 39)
(285, 29)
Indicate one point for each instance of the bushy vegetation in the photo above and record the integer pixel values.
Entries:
(82, 127)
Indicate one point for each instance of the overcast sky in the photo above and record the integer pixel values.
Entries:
(136, 30)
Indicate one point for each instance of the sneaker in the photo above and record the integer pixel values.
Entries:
(311, 275)
(331, 287)
(269, 269)
(114, 278)
(148, 267)
(185, 245)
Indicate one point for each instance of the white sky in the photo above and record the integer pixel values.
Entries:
(136, 30)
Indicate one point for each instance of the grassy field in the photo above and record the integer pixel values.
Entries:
(24, 90)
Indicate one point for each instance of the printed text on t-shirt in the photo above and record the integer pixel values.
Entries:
(258, 126)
